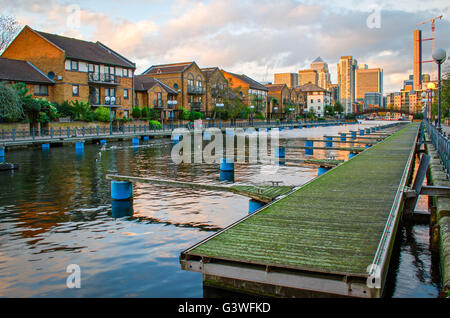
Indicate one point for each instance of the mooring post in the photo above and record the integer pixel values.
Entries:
(226, 170)
(79, 146)
(309, 151)
(121, 190)
(254, 206)
(321, 170)
(280, 152)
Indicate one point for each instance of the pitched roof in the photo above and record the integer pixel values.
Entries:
(310, 87)
(144, 83)
(275, 87)
(207, 71)
(251, 82)
(167, 68)
(87, 51)
(318, 60)
(21, 71)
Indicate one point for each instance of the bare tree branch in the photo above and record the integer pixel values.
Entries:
(9, 27)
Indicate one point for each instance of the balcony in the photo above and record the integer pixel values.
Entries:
(196, 90)
(109, 101)
(217, 93)
(103, 78)
(197, 106)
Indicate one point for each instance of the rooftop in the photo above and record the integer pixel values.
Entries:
(87, 51)
(21, 71)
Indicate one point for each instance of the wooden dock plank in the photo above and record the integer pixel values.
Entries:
(331, 225)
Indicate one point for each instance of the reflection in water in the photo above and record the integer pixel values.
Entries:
(57, 210)
(120, 209)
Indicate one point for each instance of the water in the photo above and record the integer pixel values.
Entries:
(56, 210)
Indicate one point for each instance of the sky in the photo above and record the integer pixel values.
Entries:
(253, 37)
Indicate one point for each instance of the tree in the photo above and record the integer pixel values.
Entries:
(102, 114)
(82, 111)
(154, 114)
(329, 111)
(9, 27)
(10, 104)
(338, 108)
(136, 112)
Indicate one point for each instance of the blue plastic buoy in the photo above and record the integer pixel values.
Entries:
(226, 165)
(367, 131)
(309, 143)
(227, 176)
(146, 138)
(329, 142)
(368, 146)
(120, 209)
(322, 170)
(351, 155)
(254, 206)
(103, 142)
(290, 128)
(121, 190)
(135, 141)
(361, 132)
(2, 152)
(343, 137)
(280, 152)
(45, 146)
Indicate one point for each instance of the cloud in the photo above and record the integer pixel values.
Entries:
(258, 38)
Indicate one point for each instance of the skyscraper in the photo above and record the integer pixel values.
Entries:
(323, 74)
(417, 60)
(368, 80)
(346, 81)
(307, 76)
(290, 79)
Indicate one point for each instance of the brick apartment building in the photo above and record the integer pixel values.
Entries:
(80, 70)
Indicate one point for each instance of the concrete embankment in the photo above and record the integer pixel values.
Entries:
(440, 219)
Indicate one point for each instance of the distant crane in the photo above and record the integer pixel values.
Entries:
(433, 28)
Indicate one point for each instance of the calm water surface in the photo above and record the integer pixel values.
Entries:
(56, 210)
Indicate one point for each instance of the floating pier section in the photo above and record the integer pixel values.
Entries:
(332, 236)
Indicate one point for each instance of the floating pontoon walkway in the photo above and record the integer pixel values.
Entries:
(321, 238)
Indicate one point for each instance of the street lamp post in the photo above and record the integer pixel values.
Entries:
(275, 109)
(439, 56)
(220, 105)
(424, 96)
(251, 113)
(172, 103)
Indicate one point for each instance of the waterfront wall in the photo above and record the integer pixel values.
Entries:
(440, 219)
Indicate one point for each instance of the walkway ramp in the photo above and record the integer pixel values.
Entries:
(321, 237)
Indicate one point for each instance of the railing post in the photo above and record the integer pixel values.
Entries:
(14, 134)
(34, 132)
(51, 132)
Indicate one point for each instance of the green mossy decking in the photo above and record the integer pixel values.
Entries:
(333, 224)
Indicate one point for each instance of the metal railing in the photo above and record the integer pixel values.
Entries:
(103, 78)
(441, 142)
(15, 135)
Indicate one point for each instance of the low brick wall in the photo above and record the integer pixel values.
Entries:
(441, 220)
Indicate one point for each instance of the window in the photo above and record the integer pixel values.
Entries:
(126, 113)
(125, 93)
(125, 72)
(74, 65)
(75, 90)
(312, 100)
(91, 68)
(41, 90)
(318, 100)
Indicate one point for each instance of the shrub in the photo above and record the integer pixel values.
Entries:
(184, 113)
(260, 115)
(136, 112)
(102, 114)
(65, 109)
(10, 104)
(418, 116)
(194, 115)
(82, 111)
(154, 114)
(155, 124)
